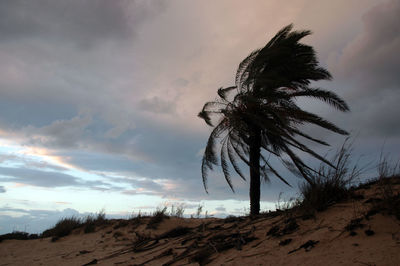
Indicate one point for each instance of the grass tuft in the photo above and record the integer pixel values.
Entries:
(92, 221)
(63, 227)
(330, 185)
(158, 216)
(177, 211)
(66, 225)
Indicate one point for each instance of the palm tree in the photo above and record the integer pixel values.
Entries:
(261, 116)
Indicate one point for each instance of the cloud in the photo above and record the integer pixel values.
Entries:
(368, 71)
(81, 22)
(99, 70)
(119, 129)
(372, 57)
(67, 57)
(2, 189)
(221, 209)
(60, 133)
(140, 185)
(49, 179)
(113, 88)
(157, 105)
(26, 161)
(36, 177)
(180, 82)
(42, 165)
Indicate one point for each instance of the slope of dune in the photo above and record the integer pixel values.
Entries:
(359, 231)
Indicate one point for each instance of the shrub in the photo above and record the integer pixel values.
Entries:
(63, 227)
(158, 217)
(390, 199)
(388, 176)
(136, 220)
(330, 184)
(18, 235)
(387, 168)
(89, 224)
(92, 221)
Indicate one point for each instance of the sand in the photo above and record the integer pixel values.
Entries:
(281, 238)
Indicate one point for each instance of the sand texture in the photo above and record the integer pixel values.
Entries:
(347, 233)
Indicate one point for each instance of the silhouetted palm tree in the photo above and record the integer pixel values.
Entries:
(262, 115)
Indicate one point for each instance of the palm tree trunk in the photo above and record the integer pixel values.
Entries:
(255, 149)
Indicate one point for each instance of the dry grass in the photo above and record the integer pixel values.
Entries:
(66, 225)
(330, 185)
(92, 221)
(158, 216)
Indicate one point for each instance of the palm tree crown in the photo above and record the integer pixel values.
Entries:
(259, 114)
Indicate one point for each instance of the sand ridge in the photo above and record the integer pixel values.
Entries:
(341, 235)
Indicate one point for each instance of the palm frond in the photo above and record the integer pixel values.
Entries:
(244, 68)
(224, 163)
(277, 174)
(231, 155)
(304, 135)
(298, 163)
(239, 148)
(326, 96)
(223, 92)
(319, 121)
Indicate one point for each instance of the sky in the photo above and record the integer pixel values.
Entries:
(99, 99)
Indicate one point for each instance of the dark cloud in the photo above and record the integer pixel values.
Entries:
(2, 189)
(149, 151)
(64, 57)
(373, 56)
(367, 71)
(37, 177)
(17, 113)
(84, 23)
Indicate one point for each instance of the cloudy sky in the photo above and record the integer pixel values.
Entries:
(98, 99)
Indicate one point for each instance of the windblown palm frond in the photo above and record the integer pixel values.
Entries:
(262, 114)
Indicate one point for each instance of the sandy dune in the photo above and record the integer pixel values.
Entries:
(341, 235)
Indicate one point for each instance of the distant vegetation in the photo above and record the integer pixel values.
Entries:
(66, 225)
(18, 236)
